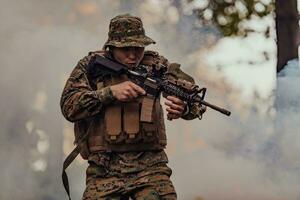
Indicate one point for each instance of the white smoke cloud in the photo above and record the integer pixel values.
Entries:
(288, 116)
(252, 157)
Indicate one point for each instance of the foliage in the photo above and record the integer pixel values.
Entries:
(229, 14)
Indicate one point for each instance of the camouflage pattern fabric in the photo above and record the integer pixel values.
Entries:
(139, 175)
(195, 110)
(127, 31)
(79, 99)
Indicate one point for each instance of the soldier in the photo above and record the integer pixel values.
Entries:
(121, 131)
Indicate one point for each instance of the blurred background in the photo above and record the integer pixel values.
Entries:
(244, 51)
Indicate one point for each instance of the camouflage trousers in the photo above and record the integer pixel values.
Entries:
(153, 183)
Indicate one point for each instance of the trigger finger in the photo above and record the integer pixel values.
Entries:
(138, 89)
(132, 93)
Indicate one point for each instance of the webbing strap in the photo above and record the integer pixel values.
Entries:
(69, 159)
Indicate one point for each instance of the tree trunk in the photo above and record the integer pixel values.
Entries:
(287, 30)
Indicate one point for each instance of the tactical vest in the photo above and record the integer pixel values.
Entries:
(125, 126)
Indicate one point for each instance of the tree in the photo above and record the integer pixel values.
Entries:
(287, 29)
(228, 15)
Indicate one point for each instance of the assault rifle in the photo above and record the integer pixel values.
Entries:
(153, 82)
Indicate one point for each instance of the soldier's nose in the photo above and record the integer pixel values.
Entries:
(132, 55)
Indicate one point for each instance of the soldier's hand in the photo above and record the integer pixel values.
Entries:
(175, 107)
(126, 91)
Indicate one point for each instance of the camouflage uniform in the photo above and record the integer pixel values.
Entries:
(119, 175)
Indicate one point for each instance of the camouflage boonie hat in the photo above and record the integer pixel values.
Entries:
(127, 31)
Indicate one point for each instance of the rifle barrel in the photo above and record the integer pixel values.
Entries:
(212, 106)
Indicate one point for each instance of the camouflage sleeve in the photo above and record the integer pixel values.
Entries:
(79, 101)
(192, 111)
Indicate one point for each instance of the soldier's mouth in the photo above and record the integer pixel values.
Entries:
(131, 64)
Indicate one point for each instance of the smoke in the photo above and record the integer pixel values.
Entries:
(244, 156)
(288, 116)
(252, 157)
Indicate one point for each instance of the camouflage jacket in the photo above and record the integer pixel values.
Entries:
(81, 100)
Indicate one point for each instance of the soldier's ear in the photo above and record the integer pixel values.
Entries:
(110, 49)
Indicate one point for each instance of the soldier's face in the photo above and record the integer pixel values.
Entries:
(129, 56)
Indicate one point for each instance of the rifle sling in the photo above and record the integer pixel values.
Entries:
(69, 159)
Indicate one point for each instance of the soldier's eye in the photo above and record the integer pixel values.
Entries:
(139, 49)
